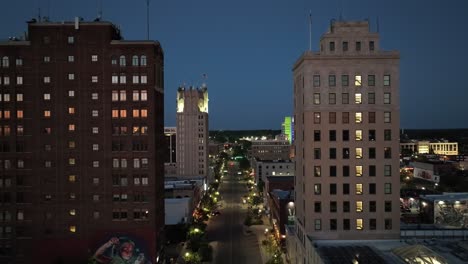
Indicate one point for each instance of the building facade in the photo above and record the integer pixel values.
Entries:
(192, 131)
(266, 168)
(81, 133)
(271, 149)
(346, 111)
(427, 147)
(287, 129)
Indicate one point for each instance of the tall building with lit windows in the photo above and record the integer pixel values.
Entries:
(81, 130)
(346, 112)
(192, 132)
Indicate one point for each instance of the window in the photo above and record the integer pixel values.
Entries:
(135, 113)
(46, 59)
(72, 178)
(317, 153)
(358, 153)
(316, 135)
(318, 224)
(333, 170)
(345, 45)
(372, 224)
(345, 80)
(346, 171)
(346, 224)
(372, 171)
(331, 80)
(358, 135)
(371, 45)
(143, 95)
(123, 79)
(345, 117)
(115, 79)
(143, 60)
(345, 153)
(386, 80)
(71, 58)
(358, 45)
(94, 58)
(372, 135)
(345, 98)
(387, 134)
(387, 152)
(358, 170)
(345, 135)
(346, 207)
(332, 46)
(371, 117)
(316, 98)
(387, 98)
(332, 135)
(136, 79)
(371, 80)
(71, 76)
(136, 95)
(71, 127)
(19, 80)
(332, 98)
(6, 80)
(317, 207)
(333, 207)
(71, 93)
(316, 118)
(332, 153)
(95, 113)
(122, 61)
(333, 188)
(94, 96)
(387, 117)
(372, 206)
(71, 110)
(359, 206)
(358, 98)
(316, 80)
(372, 189)
(123, 95)
(95, 130)
(71, 39)
(388, 224)
(5, 62)
(333, 224)
(19, 97)
(387, 170)
(317, 189)
(135, 60)
(144, 79)
(388, 206)
(19, 114)
(358, 118)
(46, 79)
(94, 79)
(372, 153)
(371, 98)
(359, 188)
(358, 80)
(345, 188)
(317, 171)
(95, 147)
(332, 117)
(46, 113)
(388, 188)
(19, 62)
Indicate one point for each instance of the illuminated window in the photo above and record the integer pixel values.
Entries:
(95, 147)
(19, 62)
(95, 130)
(358, 153)
(94, 58)
(19, 114)
(136, 95)
(71, 144)
(19, 80)
(46, 59)
(95, 164)
(136, 163)
(71, 127)
(143, 60)
(5, 62)
(358, 98)
(123, 79)
(71, 58)
(358, 117)
(71, 76)
(46, 79)
(358, 135)
(316, 118)
(144, 113)
(136, 113)
(144, 79)
(95, 113)
(6, 80)
(19, 130)
(115, 113)
(115, 96)
(358, 206)
(115, 79)
(123, 95)
(94, 79)
(123, 113)
(19, 97)
(358, 80)
(71, 93)
(387, 117)
(135, 79)
(387, 98)
(46, 113)
(71, 110)
(317, 189)
(134, 60)
(358, 171)
(72, 212)
(122, 60)
(72, 178)
(386, 80)
(359, 224)
(316, 80)
(316, 98)
(144, 130)
(358, 188)
(71, 161)
(144, 95)
(94, 96)
(72, 229)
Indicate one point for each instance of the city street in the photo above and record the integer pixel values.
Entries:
(226, 232)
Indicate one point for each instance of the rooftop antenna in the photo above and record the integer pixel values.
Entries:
(38, 11)
(310, 30)
(99, 9)
(147, 19)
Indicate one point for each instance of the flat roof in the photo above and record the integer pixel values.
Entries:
(446, 196)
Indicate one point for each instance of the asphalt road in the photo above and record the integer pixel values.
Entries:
(231, 244)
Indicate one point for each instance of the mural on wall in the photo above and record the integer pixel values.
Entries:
(449, 214)
(122, 250)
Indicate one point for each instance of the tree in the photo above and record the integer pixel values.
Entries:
(244, 163)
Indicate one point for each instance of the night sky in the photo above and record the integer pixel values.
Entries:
(247, 49)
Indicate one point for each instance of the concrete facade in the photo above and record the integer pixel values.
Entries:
(271, 149)
(346, 111)
(192, 132)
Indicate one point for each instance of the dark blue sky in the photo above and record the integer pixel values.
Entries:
(247, 49)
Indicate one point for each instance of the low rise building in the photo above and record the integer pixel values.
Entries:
(266, 168)
(271, 149)
(442, 147)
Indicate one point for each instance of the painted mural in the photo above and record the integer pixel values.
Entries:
(122, 250)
